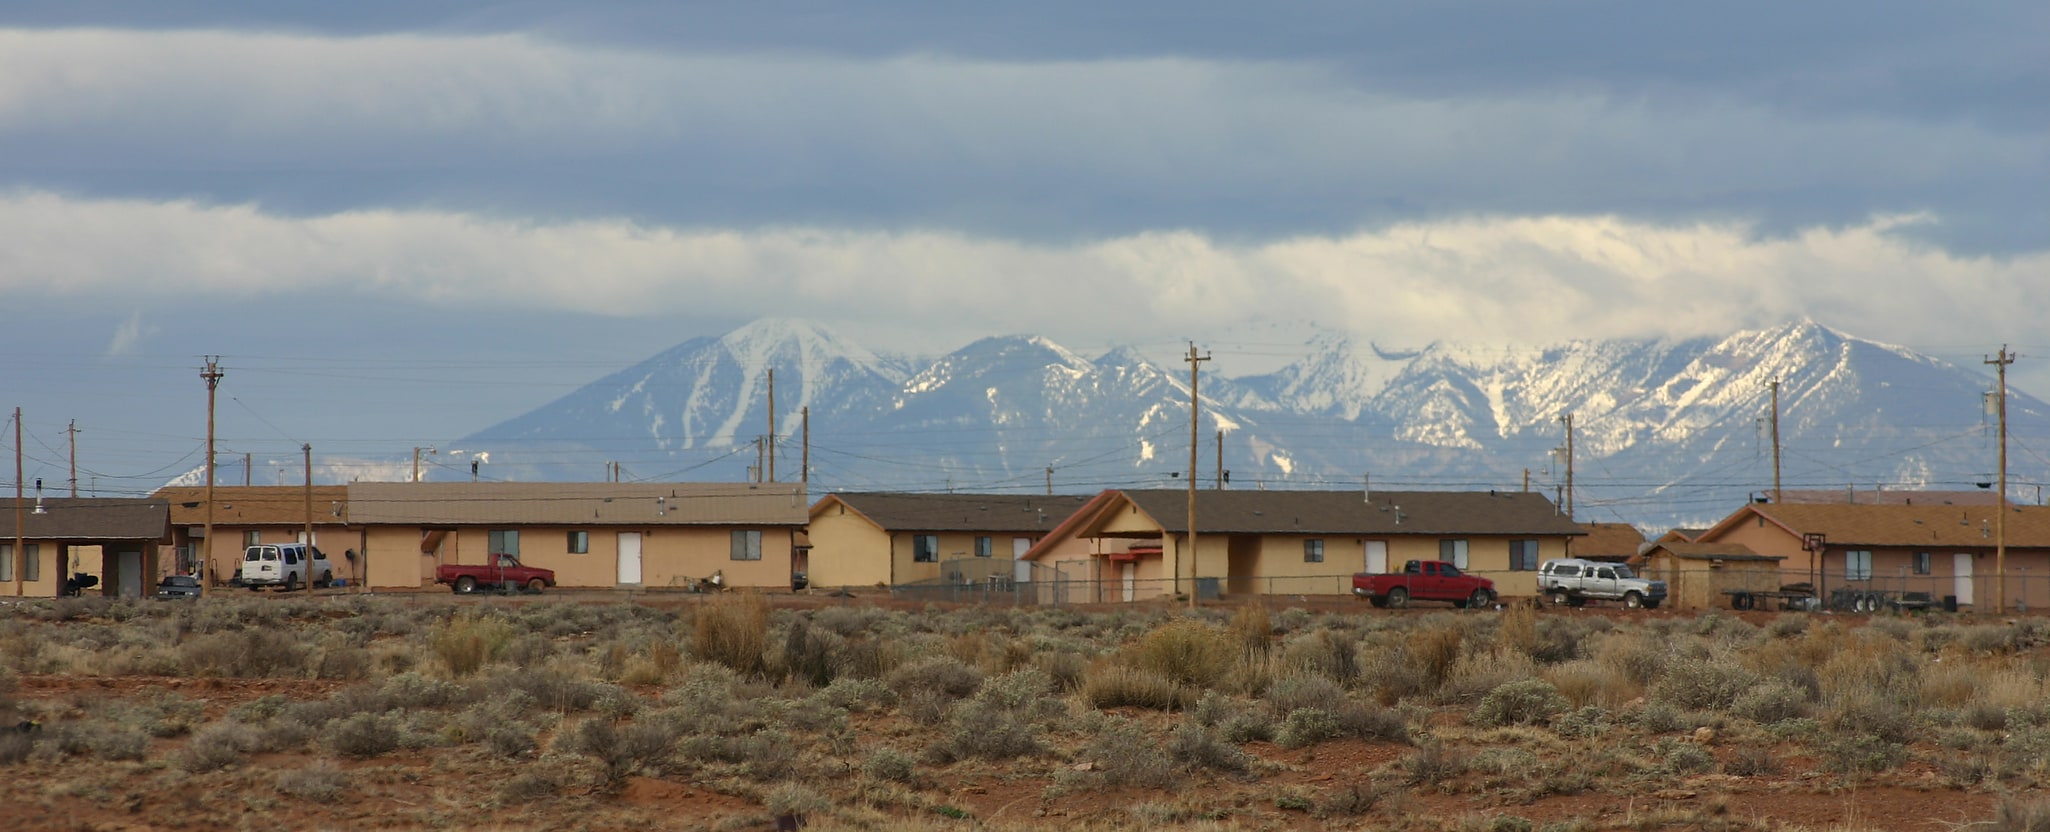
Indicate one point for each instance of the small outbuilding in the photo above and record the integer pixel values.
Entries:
(1697, 574)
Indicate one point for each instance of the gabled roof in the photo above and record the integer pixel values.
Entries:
(1608, 540)
(577, 503)
(1436, 513)
(1711, 551)
(1681, 536)
(909, 512)
(256, 505)
(1936, 526)
(88, 519)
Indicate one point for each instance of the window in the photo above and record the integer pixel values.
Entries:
(32, 566)
(925, 548)
(1313, 550)
(1453, 552)
(251, 538)
(6, 561)
(1604, 573)
(1921, 563)
(1523, 555)
(505, 541)
(1858, 565)
(747, 545)
(579, 542)
(984, 547)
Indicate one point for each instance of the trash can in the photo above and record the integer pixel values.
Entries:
(1950, 603)
(1207, 589)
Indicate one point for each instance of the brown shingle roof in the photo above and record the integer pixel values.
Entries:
(256, 505)
(578, 503)
(88, 519)
(1351, 512)
(1608, 540)
(1912, 525)
(1713, 551)
(1009, 513)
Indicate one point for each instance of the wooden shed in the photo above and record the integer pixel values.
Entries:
(1696, 574)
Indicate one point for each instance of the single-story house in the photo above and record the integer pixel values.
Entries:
(1944, 550)
(602, 534)
(112, 539)
(246, 515)
(1131, 544)
(893, 538)
(1696, 574)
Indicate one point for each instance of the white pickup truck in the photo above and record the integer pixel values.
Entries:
(1572, 581)
(289, 565)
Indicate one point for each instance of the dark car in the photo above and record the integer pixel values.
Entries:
(178, 586)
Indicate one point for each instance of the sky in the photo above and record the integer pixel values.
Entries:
(401, 221)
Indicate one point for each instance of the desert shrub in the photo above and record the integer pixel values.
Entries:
(1187, 651)
(1703, 685)
(216, 747)
(1655, 717)
(1639, 657)
(891, 766)
(467, 642)
(2018, 815)
(1516, 629)
(1065, 668)
(1476, 674)
(1873, 714)
(1306, 727)
(621, 750)
(1125, 756)
(248, 654)
(733, 631)
(1524, 702)
(796, 800)
(1351, 800)
(556, 689)
(943, 676)
(1432, 762)
(510, 741)
(1305, 691)
(1752, 761)
(1254, 627)
(858, 694)
(1197, 747)
(1109, 685)
(363, 735)
(1862, 754)
(1771, 701)
(1327, 653)
(1788, 625)
(1682, 758)
(1001, 722)
(1559, 639)
(1433, 651)
(118, 743)
(1247, 725)
(807, 654)
(1588, 682)
(1587, 721)
(412, 690)
(320, 782)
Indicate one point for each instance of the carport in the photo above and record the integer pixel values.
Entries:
(113, 540)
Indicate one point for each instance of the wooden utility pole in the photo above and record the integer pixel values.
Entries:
(1776, 442)
(2000, 518)
(73, 431)
(248, 467)
(307, 449)
(772, 424)
(19, 554)
(1568, 494)
(804, 420)
(1195, 422)
(758, 459)
(212, 374)
(1526, 480)
(1220, 460)
(1049, 480)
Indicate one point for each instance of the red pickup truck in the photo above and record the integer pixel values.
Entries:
(504, 570)
(1425, 580)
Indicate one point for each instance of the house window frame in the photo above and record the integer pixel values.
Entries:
(251, 537)
(578, 542)
(1857, 564)
(1919, 563)
(1523, 555)
(6, 561)
(1455, 551)
(925, 548)
(985, 546)
(1313, 550)
(746, 545)
(32, 562)
(502, 542)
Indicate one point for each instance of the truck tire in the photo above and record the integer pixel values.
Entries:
(1652, 605)
(466, 585)
(1740, 600)
(1633, 600)
(291, 582)
(1379, 602)
(327, 579)
(1480, 600)
(1398, 597)
(536, 585)
(1560, 598)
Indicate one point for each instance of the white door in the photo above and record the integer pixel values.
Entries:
(1962, 584)
(1021, 568)
(131, 574)
(1131, 581)
(1377, 556)
(629, 557)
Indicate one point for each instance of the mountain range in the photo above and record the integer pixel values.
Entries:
(1664, 431)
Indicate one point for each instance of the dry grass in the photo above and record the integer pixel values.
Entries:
(733, 631)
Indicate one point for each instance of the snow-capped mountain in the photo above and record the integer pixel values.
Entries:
(1665, 431)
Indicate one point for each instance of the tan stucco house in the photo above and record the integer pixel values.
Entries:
(894, 538)
(1698, 574)
(1134, 544)
(246, 515)
(114, 540)
(1941, 549)
(592, 534)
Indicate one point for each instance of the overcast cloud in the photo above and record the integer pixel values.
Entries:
(1479, 171)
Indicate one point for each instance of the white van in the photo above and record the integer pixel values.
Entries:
(286, 565)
